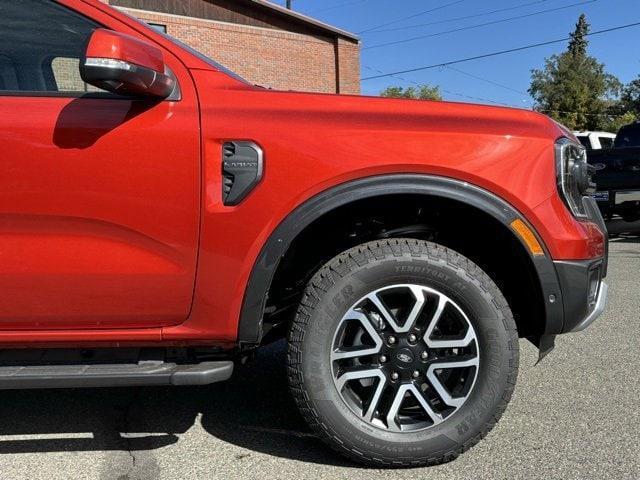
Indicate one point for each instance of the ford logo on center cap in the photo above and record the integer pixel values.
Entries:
(403, 357)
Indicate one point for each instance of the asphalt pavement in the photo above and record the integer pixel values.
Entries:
(574, 416)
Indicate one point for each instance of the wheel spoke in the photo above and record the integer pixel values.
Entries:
(363, 374)
(440, 388)
(375, 399)
(451, 358)
(435, 417)
(419, 300)
(398, 399)
(383, 310)
(417, 307)
(392, 414)
(358, 351)
(455, 343)
(447, 343)
(359, 375)
(442, 303)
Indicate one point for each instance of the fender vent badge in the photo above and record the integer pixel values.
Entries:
(242, 168)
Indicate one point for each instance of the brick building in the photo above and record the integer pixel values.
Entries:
(261, 41)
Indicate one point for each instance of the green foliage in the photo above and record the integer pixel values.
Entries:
(579, 43)
(630, 98)
(614, 122)
(421, 92)
(574, 88)
(626, 110)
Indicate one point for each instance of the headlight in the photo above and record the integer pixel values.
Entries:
(573, 175)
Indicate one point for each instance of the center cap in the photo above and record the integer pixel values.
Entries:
(404, 357)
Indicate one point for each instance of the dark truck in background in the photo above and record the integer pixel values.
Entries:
(618, 175)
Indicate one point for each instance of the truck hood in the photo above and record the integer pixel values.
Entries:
(360, 111)
(422, 115)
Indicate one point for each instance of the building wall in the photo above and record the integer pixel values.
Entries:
(238, 12)
(269, 57)
(349, 67)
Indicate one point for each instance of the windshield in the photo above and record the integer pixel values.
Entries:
(191, 50)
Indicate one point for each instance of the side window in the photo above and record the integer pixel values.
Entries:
(158, 27)
(606, 142)
(8, 77)
(584, 141)
(41, 44)
(67, 79)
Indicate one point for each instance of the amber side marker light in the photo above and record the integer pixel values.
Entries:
(528, 237)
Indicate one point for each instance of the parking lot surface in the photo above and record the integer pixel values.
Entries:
(574, 416)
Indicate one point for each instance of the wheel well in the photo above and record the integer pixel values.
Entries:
(459, 226)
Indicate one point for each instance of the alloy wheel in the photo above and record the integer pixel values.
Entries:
(405, 357)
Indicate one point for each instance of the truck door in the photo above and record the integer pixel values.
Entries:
(99, 196)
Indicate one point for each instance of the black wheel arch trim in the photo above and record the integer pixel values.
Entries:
(251, 317)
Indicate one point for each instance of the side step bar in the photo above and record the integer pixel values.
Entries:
(114, 375)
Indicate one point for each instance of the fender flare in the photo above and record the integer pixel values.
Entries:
(250, 326)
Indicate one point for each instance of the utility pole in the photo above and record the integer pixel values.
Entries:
(289, 4)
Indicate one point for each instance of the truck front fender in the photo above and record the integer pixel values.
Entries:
(251, 318)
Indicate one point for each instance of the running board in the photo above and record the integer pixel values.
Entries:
(114, 375)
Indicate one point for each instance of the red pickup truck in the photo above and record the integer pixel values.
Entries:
(161, 218)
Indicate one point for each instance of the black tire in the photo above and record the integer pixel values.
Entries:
(344, 280)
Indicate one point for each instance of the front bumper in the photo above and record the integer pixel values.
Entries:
(584, 292)
(581, 282)
(601, 305)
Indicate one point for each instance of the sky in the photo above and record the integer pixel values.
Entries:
(502, 79)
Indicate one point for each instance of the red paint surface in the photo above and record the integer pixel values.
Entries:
(120, 46)
(107, 205)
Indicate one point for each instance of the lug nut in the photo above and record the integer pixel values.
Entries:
(415, 374)
(394, 376)
(424, 355)
(383, 358)
(412, 338)
(391, 340)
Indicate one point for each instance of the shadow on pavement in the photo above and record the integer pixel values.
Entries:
(253, 410)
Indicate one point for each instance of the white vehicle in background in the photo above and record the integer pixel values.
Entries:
(596, 140)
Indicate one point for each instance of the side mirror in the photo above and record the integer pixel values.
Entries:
(125, 65)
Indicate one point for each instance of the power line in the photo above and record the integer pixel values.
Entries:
(458, 94)
(500, 52)
(602, 114)
(418, 14)
(486, 80)
(470, 27)
(338, 5)
(466, 17)
(587, 114)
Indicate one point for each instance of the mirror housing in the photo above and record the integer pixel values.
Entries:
(125, 65)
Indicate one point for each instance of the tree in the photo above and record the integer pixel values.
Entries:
(579, 43)
(630, 98)
(421, 92)
(614, 122)
(626, 110)
(573, 87)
